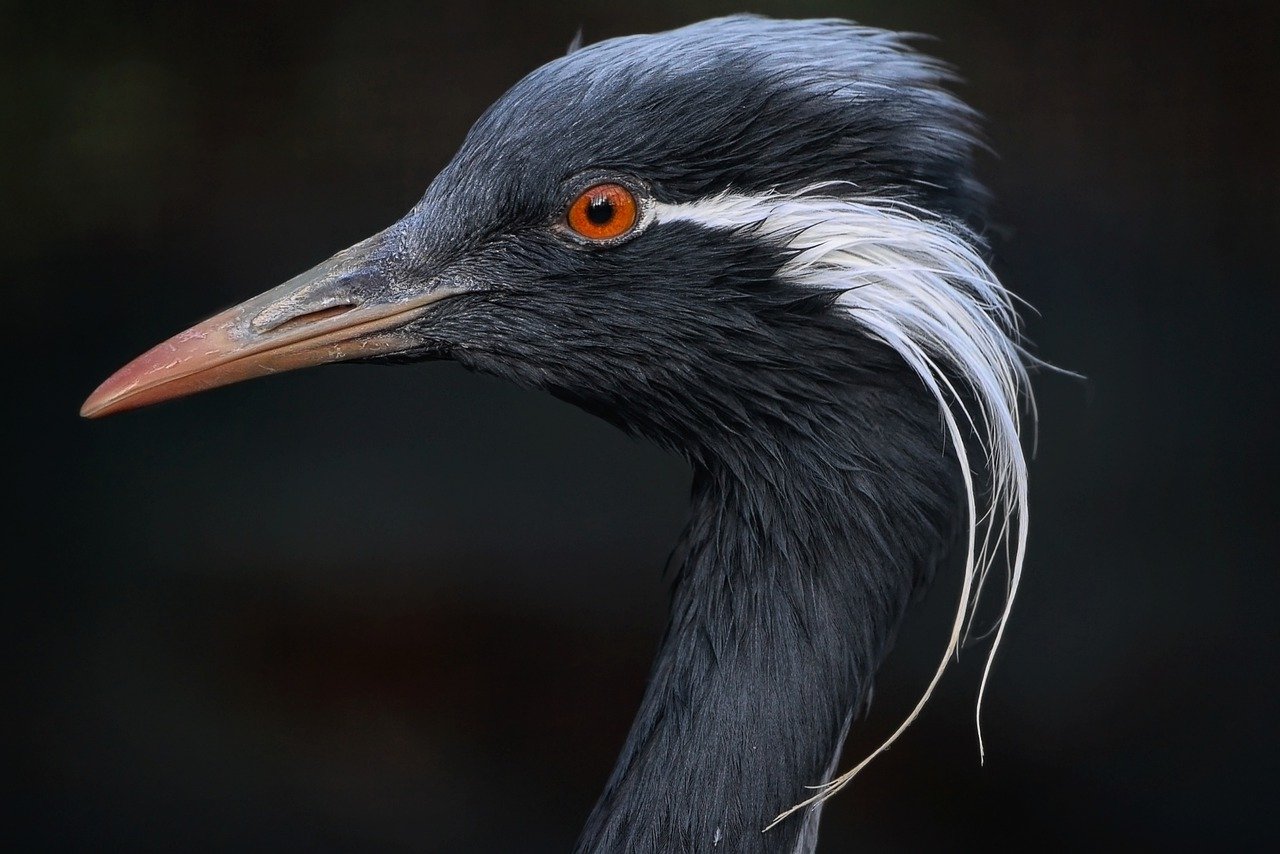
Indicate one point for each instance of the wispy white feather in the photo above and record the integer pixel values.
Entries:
(921, 286)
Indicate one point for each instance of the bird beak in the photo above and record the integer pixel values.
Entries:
(346, 308)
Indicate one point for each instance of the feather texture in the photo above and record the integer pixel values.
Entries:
(920, 285)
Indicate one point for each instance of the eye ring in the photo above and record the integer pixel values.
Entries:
(604, 212)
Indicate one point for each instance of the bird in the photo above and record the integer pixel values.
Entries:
(760, 244)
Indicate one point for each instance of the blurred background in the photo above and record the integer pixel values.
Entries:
(412, 609)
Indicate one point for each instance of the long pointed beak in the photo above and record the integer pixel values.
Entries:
(343, 309)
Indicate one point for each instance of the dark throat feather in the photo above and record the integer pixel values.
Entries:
(805, 543)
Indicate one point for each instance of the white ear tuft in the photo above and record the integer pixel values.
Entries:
(920, 286)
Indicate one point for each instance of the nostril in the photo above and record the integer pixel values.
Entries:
(312, 317)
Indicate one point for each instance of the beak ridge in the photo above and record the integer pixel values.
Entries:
(334, 312)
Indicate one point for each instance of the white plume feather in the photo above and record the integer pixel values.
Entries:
(921, 286)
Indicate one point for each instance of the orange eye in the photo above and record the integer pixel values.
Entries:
(604, 212)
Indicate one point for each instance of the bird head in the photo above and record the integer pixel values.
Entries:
(701, 235)
(647, 226)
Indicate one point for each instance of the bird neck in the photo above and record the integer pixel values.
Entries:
(804, 545)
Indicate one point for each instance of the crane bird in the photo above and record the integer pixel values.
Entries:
(758, 244)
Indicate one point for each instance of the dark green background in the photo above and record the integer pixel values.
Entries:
(411, 609)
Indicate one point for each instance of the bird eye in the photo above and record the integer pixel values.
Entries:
(604, 212)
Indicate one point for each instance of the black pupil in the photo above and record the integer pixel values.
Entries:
(600, 210)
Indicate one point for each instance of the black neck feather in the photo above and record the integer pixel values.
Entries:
(805, 543)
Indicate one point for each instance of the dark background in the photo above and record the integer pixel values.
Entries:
(365, 608)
